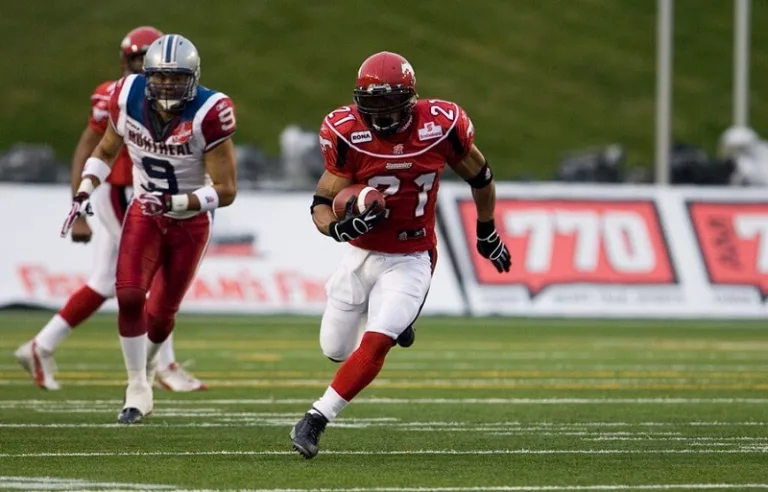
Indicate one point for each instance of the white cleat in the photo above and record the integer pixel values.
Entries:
(39, 364)
(175, 378)
(138, 404)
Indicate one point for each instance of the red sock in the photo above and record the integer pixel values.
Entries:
(363, 365)
(81, 305)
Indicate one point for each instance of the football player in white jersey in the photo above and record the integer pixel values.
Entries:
(178, 134)
(36, 356)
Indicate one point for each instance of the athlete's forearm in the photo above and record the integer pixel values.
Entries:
(323, 217)
(485, 201)
(85, 146)
(99, 165)
(206, 198)
(327, 188)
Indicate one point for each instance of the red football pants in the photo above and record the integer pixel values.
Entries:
(159, 255)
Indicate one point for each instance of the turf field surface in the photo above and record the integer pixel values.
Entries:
(486, 405)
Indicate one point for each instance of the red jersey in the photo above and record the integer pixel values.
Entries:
(121, 169)
(406, 168)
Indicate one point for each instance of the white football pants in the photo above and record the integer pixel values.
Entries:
(109, 208)
(389, 288)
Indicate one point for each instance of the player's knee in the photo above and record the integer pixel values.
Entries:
(159, 326)
(334, 347)
(131, 300)
(338, 330)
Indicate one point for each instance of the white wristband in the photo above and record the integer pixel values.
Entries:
(180, 203)
(96, 167)
(86, 186)
(208, 197)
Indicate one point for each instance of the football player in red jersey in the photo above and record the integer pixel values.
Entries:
(36, 356)
(393, 141)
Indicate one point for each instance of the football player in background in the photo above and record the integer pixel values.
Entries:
(36, 356)
(178, 135)
(393, 141)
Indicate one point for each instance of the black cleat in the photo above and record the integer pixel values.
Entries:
(306, 433)
(130, 416)
(407, 337)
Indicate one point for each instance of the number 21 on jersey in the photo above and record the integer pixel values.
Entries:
(391, 186)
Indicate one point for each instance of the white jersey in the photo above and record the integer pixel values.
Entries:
(173, 162)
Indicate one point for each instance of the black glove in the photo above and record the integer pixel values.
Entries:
(489, 245)
(353, 226)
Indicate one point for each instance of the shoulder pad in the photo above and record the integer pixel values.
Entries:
(104, 89)
(442, 113)
(346, 121)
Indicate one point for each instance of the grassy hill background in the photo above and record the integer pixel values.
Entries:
(538, 77)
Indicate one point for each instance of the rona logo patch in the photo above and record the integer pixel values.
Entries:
(361, 137)
(430, 131)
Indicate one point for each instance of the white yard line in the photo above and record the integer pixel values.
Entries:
(404, 452)
(528, 488)
(246, 419)
(413, 401)
(51, 483)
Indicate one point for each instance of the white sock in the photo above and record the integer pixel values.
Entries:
(329, 405)
(53, 333)
(166, 357)
(135, 357)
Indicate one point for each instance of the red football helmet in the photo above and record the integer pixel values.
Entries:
(385, 92)
(135, 45)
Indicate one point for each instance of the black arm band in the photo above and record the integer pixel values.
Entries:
(482, 179)
(319, 200)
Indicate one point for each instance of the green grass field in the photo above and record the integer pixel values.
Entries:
(538, 77)
(483, 405)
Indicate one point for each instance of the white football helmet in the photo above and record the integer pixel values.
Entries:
(172, 69)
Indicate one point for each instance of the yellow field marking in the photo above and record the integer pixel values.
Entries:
(413, 374)
(426, 385)
(259, 357)
(235, 345)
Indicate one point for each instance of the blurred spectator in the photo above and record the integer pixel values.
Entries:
(302, 160)
(602, 165)
(748, 153)
(32, 163)
(691, 165)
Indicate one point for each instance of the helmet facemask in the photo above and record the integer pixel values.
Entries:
(385, 110)
(171, 89)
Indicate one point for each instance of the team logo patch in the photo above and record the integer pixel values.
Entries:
(181, 134)
(325, 144)
(406, 68)
(430, 131)
(361, 137)
(398, 149)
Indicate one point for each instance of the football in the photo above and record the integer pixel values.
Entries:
(365, 196)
